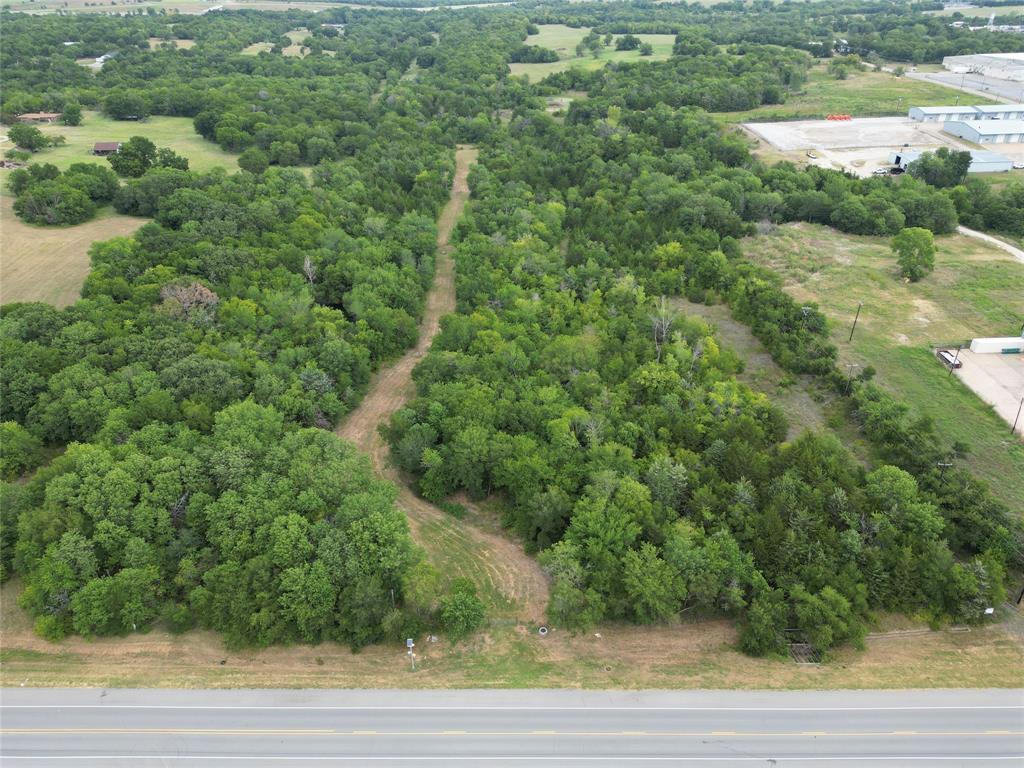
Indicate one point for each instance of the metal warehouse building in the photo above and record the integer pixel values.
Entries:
(999, 112)
(981, 161)
(942, 114)
(1005, 66)
(987, 131)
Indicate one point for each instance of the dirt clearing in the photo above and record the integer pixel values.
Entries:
(508, 578)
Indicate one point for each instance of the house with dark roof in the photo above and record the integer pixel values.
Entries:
(104, 148)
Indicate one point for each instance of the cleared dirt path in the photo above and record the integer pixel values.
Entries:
(513, 578)
(1013, 250)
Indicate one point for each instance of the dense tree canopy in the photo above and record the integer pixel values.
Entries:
(184, 403)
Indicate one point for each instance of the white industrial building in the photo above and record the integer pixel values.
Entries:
(979, 112)
(1005, 66)
(942, 114)
(1004, 345)
(1000, 111)
(987, 131)
(981, 160)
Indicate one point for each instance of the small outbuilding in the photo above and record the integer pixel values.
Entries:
(987, 131)
(39, 117)
(104, 148)
(1005, 345)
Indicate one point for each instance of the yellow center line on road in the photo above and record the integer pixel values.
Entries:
(648, 734)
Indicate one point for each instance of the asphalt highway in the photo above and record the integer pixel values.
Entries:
(495, 728)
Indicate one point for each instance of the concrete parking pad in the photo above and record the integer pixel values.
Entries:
(996, 379)
(848, 134)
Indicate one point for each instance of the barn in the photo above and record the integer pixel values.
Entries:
(987, 131)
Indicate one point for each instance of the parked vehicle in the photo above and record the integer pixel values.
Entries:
(949, 359)
(812, 155)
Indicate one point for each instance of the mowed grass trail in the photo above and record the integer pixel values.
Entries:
(563, 40)
(178, 133)
(862, 94)
(509, 581)
(50, 264)
(975, 290)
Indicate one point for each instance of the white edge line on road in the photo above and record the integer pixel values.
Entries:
(399, 708)
(534, 758)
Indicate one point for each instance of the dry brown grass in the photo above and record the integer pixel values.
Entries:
(50, 263)
(696, 655)
(155, 42)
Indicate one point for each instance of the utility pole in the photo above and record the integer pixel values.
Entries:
(855, 319)
(412, 656)
(849, 377)
(955, 358)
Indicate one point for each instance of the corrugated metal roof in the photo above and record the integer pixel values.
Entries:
(1000, 107)
(946, 110)
(991, 127)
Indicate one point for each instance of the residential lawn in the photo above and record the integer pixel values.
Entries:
(178, 133)
(563, 40)
(975, 290)
(862, 94)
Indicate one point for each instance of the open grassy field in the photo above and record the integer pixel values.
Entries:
(862, 94)
(563, 40)
(296, 36)
(257, 48)
(50, 263)
(177, 133)
(974, 291)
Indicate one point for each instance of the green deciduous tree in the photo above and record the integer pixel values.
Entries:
(915, 252)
